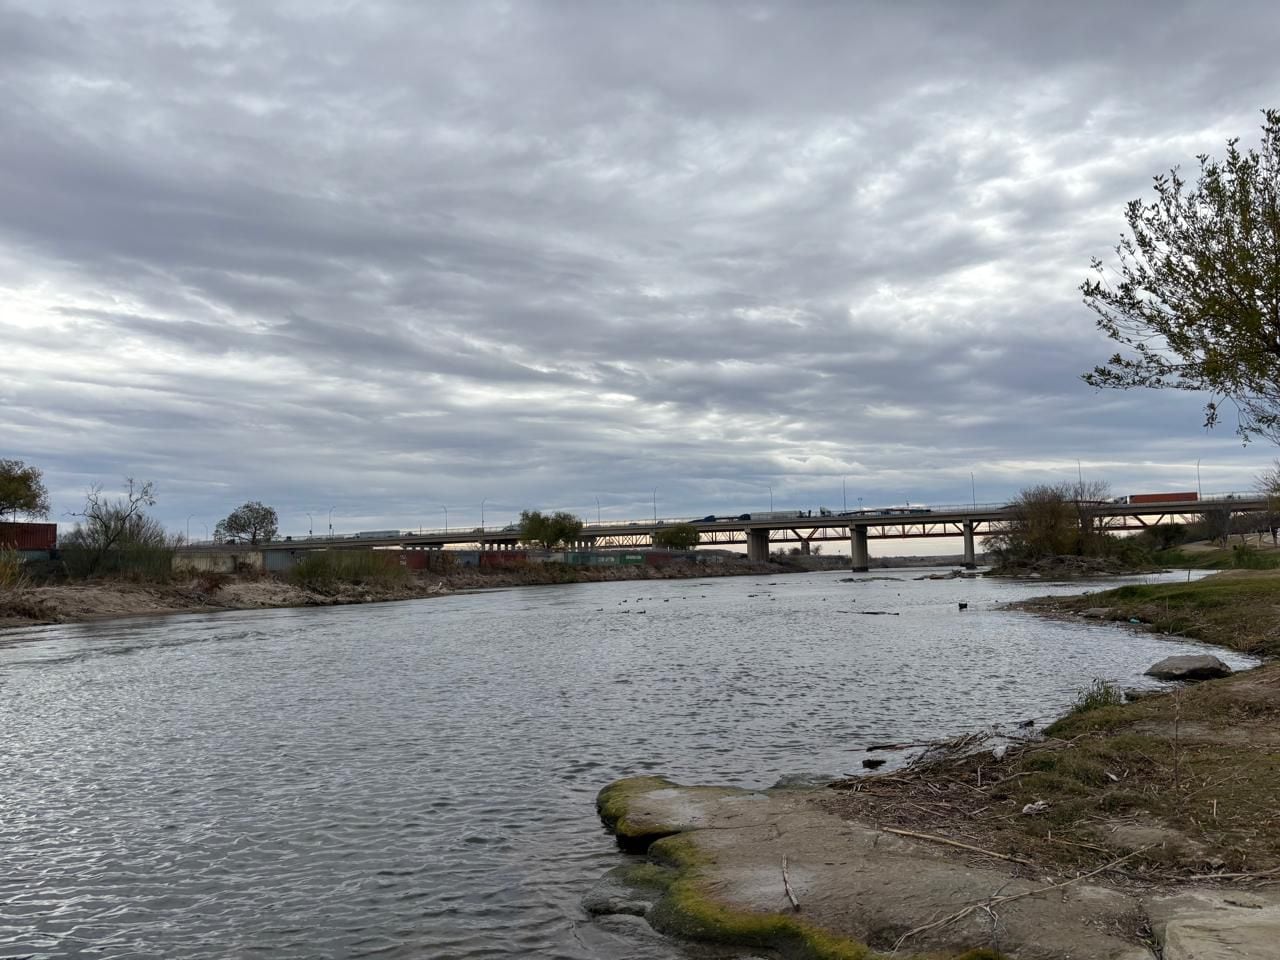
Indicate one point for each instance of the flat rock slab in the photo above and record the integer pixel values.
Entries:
(1217, 925)
(856, 882)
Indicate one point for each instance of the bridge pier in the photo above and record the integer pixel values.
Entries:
(804, 548)
(758, 545)
(858, 549)
(970, 557)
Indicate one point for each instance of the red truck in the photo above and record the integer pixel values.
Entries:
(1186, 496)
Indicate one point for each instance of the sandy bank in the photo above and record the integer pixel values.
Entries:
(76, 602)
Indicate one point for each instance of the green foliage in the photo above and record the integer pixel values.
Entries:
(322, 569)
(252, 523)
(680, 536)
(22, 490)
(1195, 294)
(117, 538)
(550, 531)
(1100, 693)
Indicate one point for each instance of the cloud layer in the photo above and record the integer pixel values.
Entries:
(395, 257)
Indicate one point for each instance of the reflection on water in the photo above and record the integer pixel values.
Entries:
(417, 779)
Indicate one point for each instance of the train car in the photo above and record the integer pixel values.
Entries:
(376, 534)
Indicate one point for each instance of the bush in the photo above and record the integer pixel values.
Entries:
(320, 569)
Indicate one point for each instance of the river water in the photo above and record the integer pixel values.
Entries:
(416, 779)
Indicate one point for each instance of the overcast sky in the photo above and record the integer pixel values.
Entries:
(389, 257)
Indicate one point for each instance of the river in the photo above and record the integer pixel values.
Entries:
(416, 779)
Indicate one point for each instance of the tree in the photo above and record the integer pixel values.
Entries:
(679, 536)
(252, 523)
(1053, 520)
(112, 533)
(1196, 292)
(548, 530)
(22, 490)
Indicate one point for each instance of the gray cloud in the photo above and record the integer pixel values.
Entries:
(396, 256)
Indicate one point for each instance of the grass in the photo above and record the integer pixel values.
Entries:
(1238, 610)
(1098, 694)
(11, 569)
(1238, 557)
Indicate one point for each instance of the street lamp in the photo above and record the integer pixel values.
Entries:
(655, 505)
(311, 524)
(446, 517)
(597, 509)
(859, 504)
(1199, 492)
(206, 529)
(844, 495)
(331, 509)
(770, 486)
(189, 516)
(973, 490)
(482, 503)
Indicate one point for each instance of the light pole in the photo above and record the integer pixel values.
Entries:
(446, 517)
(844, 495)
(655, 504)
(770, 486)
(206, 529)
(189, 516)
(331, 509)
(859, 504)
(311, 524)
(597, 510)
(482, 503)
(1199, 492)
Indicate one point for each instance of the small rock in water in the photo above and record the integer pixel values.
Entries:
(874, 763)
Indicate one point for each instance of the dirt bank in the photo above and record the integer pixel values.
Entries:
(98, 600)
(1138, 830)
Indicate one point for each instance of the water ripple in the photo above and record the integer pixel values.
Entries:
(416, 779)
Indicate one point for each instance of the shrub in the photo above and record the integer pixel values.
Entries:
(11, 569)
(320, 569)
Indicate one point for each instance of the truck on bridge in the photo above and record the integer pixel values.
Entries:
(1185, 496)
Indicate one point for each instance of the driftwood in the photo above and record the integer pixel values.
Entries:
(956, 843)
(991, 902)
(786, 885)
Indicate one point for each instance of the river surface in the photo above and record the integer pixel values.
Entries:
(416, 779)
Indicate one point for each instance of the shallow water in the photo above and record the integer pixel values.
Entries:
(417, 779)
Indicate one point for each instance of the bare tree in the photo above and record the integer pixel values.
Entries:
(106, 526)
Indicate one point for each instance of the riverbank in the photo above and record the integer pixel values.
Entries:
(1124, 830)
(84, 601)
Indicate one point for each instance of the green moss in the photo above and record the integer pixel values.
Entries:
(686, 912)
(646, 876)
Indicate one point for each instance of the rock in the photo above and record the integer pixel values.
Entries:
(607, 901)
(1216, 925)
(1096, 613)
(1192, 666)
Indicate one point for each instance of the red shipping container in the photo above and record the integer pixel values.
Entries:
(28, 536)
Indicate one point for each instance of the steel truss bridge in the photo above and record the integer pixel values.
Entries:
(795, 528)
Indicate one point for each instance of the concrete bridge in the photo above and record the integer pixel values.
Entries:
(790, 528)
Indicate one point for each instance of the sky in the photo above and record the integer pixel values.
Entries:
(387, 262)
